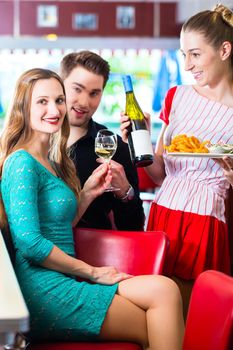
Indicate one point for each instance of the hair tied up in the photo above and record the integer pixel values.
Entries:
(226, 13)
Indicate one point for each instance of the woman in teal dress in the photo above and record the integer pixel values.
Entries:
(40, 197)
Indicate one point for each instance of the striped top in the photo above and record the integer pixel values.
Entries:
(196, 185)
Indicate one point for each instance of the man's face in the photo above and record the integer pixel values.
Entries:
(83, 94)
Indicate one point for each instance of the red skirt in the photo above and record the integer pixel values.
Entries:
(197, 242)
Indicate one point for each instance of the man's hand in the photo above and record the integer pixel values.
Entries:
(119, 179)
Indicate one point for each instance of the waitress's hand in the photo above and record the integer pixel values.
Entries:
(227, 164)
(124, 127)
(125, 124)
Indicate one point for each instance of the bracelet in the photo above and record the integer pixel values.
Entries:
(125, 196)
(128, 196)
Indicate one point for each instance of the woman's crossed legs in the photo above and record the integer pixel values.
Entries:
(146, 310)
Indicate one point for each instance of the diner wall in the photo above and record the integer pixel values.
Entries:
(7, 17)
(151, 19)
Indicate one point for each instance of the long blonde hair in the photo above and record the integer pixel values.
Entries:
(17, 131)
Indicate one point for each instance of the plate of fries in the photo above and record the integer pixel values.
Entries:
(191, 146)
(204, 155)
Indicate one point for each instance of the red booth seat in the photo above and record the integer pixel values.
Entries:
(209, 323)
(145, 183)
(136, 253)
(86, 346)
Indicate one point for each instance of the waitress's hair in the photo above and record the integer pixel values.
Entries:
(17, 131)
(215, 25)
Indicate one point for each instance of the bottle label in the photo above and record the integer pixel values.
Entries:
(142, 142)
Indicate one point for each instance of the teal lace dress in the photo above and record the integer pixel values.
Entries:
(40, 208)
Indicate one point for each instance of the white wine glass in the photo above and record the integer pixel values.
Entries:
(105, 148)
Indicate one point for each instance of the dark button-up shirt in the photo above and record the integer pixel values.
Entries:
(127, 216)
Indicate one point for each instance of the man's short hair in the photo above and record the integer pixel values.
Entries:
(86, 59)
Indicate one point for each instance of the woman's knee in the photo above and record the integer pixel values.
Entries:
(163, 290)
(169, 291)
(149, 291)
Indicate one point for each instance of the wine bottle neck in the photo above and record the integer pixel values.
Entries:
(127, 83)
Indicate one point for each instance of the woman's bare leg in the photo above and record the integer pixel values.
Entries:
(125, 322)
(160, 298)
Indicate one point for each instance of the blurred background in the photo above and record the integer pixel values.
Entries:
(140, 38)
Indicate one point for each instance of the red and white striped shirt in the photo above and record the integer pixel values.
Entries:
(196, 185)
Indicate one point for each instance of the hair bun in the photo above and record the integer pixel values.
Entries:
(225, 12)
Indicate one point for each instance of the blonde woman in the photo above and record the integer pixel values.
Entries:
(190, 206)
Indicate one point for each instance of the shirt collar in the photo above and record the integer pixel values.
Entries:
(92, 129)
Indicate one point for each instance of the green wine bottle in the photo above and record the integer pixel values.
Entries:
(139, 139)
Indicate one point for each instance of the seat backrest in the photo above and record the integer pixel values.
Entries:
(229, 218)
(134, 252)
(209, 324)
(145, 183)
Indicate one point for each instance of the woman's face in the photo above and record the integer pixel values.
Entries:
(202, 59)
(48, 106)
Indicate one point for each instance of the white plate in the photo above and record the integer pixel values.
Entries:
(203, 155)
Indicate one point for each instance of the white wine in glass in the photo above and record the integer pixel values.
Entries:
(106, 153)
(105, 148)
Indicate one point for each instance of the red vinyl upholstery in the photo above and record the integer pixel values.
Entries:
(137, 253)
(132, 252)
(145, 183)
(86, 346)
(209, 324)
(147, 189)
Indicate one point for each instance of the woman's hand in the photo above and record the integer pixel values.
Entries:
(125, 124)
(95, 185)
(227, 164)
(108, 275)
(60, 261)
(97, 182)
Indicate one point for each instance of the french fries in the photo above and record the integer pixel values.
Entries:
(187, 144)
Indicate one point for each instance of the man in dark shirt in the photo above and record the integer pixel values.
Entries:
(85, 75)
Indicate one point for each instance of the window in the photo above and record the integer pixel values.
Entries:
(47, 16)
(125, 17)
(87, 21)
